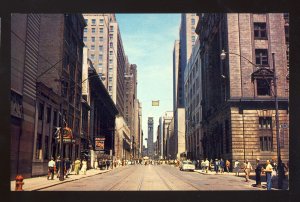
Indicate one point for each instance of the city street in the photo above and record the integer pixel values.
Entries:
(154, 177)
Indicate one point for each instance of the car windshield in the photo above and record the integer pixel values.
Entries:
(187, 162)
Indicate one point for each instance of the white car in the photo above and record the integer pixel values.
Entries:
(186, 165)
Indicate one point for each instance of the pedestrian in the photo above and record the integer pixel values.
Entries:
(107, 164)
(247, 170)
(206, 165)
(67, 166)
(268, 172)
(211, 164)
(258, 171)
(77, 166)
(222, 165)
(51, 165)
(216, 166)
(57, 165)
(236, 167)
(227, 165)
(84, 166)
(202, 165)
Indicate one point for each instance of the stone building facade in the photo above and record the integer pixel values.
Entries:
(238, 107)
(46, 75)
(193, 113)
(150, 145)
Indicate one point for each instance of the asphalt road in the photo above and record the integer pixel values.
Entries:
(154, 177)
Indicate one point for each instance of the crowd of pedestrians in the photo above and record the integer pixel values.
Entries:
(220, 166)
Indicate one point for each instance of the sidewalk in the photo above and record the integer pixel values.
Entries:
(37, 183)
(285, 185)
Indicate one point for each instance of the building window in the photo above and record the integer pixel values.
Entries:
(110, 61)
(93, 30)
(261, 56)
(111, 45)
(100, 58)
(86, 21)
(93, 39)
(92, 57)
(111, 28)
(41, 111)
(84, 39)
(110, 53)
(109, 88)
(110, 70)
(100, 66)
(260, 30)
(100, 39)
(93, 21)
(111, 36)
(110, 78)
(193, 29)
(85, 30)
(92, 47)
(101, 30)
(38, 149)
(265, 143)
(101, 21)
(101, 48)
(193, 21)
(265, 122)
(263, 87)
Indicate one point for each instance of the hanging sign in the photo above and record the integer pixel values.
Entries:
(99, 143)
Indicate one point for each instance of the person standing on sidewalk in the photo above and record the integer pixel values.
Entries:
(258, 171)
(236, 168)
(222, 165)
(57, 165)
(227, 165)
(247, 169)
(216, 166)
(206, 165)
(77, 166)
(68, 166)
(107, 164)
(51, 166)
(84, 166)
(268, 172)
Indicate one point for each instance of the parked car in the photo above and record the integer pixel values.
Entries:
(186, 165)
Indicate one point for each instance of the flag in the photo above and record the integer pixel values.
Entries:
(155, 102)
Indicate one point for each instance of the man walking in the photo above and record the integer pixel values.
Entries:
(206, 165)
(68, 166)
(222, 165)
(268, 172)
(227, 165)
(247, 169)
(258, 170)
(51, 166)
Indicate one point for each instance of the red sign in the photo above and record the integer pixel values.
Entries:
(99, 143)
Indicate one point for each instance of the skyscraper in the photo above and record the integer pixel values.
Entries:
(150, 146)
(102, 37)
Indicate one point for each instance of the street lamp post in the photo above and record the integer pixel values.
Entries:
(279, 166)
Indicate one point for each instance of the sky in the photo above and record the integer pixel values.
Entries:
(148, 41)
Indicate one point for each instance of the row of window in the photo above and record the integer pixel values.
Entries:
(101, 30)
(101, 21)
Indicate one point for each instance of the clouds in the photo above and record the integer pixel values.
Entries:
(148, 41)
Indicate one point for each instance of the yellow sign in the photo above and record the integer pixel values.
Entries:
(155, 102)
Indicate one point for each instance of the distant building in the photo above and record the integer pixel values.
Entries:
(150, 145)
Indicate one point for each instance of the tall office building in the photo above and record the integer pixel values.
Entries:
(187, 38)
(102, 37)
(150, 145)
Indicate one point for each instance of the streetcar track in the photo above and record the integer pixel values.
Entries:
(119, 181)
(181, 179)
(141, 183)
(163, 180)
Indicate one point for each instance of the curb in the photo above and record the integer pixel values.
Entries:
(71, 180)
